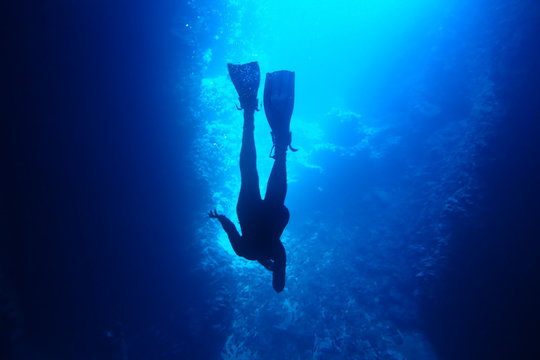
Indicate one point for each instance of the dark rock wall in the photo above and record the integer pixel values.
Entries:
(485, 303)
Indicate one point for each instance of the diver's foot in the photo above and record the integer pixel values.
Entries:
(248, 104)
(281, 142)
(281, 139)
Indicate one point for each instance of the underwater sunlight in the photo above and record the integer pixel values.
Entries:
(358, 65)
(395, 145)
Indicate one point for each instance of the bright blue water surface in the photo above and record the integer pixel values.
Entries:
(413, 198)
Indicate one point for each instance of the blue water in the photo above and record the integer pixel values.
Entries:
(414, 196)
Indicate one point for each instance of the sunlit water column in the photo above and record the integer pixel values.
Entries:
(330, 45)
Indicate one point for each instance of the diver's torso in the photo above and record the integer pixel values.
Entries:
(262, 229)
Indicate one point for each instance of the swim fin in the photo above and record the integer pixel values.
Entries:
(279, 105)
(246, 79)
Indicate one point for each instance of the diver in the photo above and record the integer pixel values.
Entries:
(262, 221)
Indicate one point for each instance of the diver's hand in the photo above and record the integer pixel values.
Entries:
(212, 214)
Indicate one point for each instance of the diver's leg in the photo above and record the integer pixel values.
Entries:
(249, 189)
(246, 79)
(276, 189)
(278, 106)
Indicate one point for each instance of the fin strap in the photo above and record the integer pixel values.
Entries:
(271, 150)
(273, 156)
(242, 107)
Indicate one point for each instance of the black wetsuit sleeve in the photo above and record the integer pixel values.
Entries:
(232, 232)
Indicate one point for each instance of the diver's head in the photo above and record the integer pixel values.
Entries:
(278, 280)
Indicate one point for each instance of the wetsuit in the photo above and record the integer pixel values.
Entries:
(262, 221)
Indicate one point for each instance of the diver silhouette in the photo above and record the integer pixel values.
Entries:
(262, 221)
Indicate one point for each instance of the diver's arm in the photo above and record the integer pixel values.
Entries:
(280, 262)
(230, 229)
